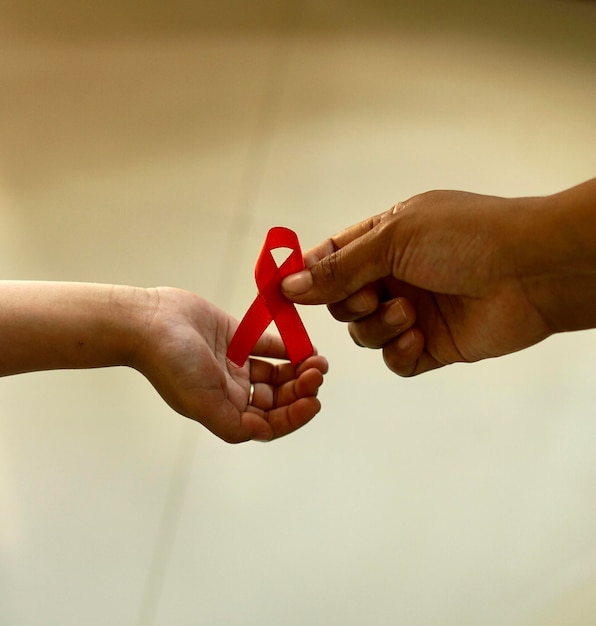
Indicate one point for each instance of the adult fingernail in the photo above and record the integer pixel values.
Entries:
(360, 304)
(297, 284)
(395, 314)
(406, 341)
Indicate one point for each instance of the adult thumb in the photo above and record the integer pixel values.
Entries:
(343, 272)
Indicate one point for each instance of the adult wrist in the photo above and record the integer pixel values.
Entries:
(556, 256)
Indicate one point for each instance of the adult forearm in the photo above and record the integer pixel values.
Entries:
(557, 257)
(47, 325)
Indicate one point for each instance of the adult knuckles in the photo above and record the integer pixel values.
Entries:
(330, 278)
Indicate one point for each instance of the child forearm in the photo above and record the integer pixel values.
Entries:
(47, 325)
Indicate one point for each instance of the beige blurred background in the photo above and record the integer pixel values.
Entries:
(152, 143)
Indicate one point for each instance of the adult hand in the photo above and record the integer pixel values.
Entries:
(183, 355)
(452, 276)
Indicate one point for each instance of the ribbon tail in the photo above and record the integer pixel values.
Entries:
(252, 326)
(293, 334)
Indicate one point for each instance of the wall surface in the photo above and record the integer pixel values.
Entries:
(151, 144)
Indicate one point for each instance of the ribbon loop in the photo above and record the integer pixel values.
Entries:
(270, 303)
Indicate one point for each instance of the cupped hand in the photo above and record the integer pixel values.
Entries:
(431, 282)
(183, 355)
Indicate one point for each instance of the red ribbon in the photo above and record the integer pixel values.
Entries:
(270, 303)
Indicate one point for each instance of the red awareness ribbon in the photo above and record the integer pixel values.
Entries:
(270, 303)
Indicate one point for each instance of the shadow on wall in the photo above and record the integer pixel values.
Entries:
(94, 88)
(84, 19)
(115, 80)
(577, 607)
